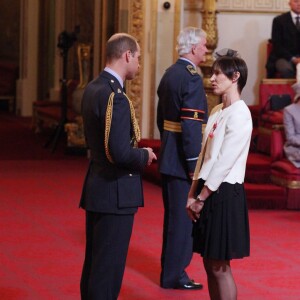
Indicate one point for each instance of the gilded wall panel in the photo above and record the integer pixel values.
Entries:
(136, 28)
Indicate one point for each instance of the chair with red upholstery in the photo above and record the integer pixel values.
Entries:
(256, 108)
(270, 119)
(272, 85)
(258, 166)
(267, 88)
(261, 113)
(283, 172)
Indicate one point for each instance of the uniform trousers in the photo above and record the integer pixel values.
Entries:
(107, 241)
(177, 232)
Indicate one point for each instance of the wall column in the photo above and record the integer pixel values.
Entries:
(58, 62)
(96, 41)
(27, 84)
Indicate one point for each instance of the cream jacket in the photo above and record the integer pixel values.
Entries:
(226, 139)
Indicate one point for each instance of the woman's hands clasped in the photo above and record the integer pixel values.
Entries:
(194, 207)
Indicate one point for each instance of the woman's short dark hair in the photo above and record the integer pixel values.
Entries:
(118, 44)
(229, 66)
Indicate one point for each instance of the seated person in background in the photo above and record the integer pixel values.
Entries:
(291, 121)
(285, 54)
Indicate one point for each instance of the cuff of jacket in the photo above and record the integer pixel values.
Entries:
(191, 164)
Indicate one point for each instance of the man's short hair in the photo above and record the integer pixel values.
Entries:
(187, 38)
(118, 44)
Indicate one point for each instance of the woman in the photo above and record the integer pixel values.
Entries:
(221, 230)
(291, 121)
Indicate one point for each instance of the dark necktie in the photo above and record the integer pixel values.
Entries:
(298, 23)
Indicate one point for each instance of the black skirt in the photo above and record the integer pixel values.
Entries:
(222, 231)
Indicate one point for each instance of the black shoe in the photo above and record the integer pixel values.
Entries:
(190, 285)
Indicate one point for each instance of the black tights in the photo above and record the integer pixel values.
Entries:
(220, 281)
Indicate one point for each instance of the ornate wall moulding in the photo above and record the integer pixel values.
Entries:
(244, 6)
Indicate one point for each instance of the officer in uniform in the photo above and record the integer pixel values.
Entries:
(112, 191)
(181, 112)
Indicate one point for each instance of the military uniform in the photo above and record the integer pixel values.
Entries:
(181, 112)
(112, 190)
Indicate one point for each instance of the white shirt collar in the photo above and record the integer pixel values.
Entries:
(294, 15)
(183, 58)
(112, 72)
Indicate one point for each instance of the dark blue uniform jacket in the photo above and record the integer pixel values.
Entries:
(110, 187)
(181, 111)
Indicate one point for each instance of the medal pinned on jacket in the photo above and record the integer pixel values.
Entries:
(211, 133)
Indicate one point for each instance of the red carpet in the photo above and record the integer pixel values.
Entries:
(18, 140)
(42, 238)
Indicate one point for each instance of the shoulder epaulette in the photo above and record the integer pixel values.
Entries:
(115, 87)
(191, 69)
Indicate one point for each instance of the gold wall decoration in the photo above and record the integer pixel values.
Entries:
(134, 87)
(209, 25)
(84, 62)
(208, 10)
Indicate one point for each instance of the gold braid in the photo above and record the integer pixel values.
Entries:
(108, 118)
(136, 129)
